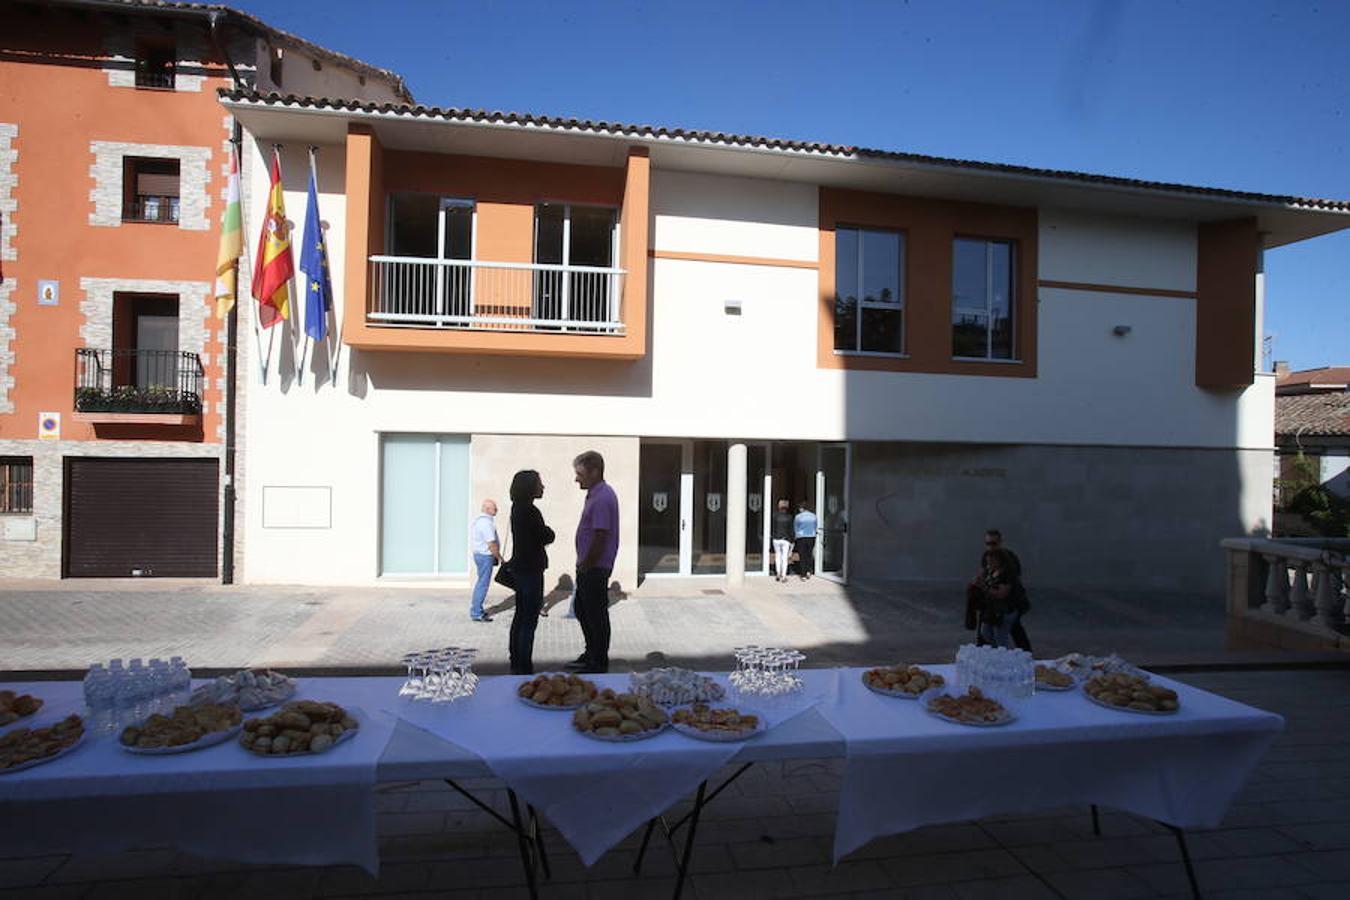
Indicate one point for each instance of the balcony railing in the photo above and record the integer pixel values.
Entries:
(469, 294)
(151, 208)
(1291, 585)
(146, 382)
(154, 78)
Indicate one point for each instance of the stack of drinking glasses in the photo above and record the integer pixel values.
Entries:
(766, 671)
(118, 695)
(1000, 673)
(440, 676)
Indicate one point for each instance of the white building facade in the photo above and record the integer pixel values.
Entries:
(916, 349)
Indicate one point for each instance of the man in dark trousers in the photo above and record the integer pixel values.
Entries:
(993, 540)
(597, 546)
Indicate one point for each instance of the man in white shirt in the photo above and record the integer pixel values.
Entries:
(487, 552)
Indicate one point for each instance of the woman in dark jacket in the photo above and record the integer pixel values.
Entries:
(529, 537)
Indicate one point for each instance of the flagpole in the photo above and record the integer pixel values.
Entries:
(327, 331)
(263, 360)
(297, 342)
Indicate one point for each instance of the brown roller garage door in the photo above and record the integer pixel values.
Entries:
(149, 517)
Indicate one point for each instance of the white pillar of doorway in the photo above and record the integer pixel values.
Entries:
(736, 502)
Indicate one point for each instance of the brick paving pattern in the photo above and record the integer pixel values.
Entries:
(1288, 836)
(67, 625)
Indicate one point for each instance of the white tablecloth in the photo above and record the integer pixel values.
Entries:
(221, 801)
(906, 768)
(595, 793)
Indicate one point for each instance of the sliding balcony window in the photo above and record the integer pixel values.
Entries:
(982, 299)
(150, 188)
(438, 232)
(583, 239)
(869, 304)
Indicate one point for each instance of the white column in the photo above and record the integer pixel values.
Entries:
(736, 501)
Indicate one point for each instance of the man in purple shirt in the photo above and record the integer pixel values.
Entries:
(597, 546)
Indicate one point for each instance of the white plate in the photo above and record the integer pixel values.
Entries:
(568, 708)
(202, 696)
(1137, 712)
(341, 738)
(46, 759)
(625, 738)
(210, 739)
(1043, 686)
(723, 736)
(900, 695)
(1005, 719)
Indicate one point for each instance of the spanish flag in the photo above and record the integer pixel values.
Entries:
(274, 266)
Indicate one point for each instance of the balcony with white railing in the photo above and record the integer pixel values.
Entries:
(412, 292)
(1291, 593)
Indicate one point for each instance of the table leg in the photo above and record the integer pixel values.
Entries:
(523, 841)
(537, 836)
(1096, 822)
(1185, 859)
(689, 839)
(646, 839)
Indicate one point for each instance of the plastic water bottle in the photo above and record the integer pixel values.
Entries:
(180, 680)
(99, 697)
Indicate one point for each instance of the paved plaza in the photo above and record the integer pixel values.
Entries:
(769, 836)
(69, 624)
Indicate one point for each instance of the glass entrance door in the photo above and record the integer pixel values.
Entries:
(660, 520)
(832, 480)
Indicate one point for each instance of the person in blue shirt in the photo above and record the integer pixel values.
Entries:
(804, 534)
(487, 553)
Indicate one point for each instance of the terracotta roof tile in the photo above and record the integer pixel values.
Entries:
(1311, 415)
(419, 111)
(1327, 375)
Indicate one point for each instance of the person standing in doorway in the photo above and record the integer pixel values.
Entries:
(783, 536)
(1019, 602)
(487, 553)
(597, 547)
(529, 537)
(804, 534)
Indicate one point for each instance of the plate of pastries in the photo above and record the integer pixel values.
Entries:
(906, 682)
(675, 687)
(14, 707)
(1131, 693)
(301, 727)
(709, 723)
(620, 717)
(251, 689)
(1049, 678)
(187, 728)
(970, 708)
(24, 748)
(556, 690)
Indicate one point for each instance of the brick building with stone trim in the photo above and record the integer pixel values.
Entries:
(113, 156)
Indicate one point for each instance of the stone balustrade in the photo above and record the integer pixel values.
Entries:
(1298, 583)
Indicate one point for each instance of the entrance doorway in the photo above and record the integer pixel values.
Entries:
(682, 518)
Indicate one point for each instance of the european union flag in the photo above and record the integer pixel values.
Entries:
(314, 263)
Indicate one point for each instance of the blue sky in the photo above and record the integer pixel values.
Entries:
(1237, 94)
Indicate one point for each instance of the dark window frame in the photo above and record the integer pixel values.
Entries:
(156, 65)
(1014, 250)
(158, 209)
(900, 307)
(16, 491)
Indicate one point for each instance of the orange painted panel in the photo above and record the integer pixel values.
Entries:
(930, 226)
(51, 86)
(1225, 308)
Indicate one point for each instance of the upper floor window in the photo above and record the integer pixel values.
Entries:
(16, 484)
(982, 299)
(573, 241)
(155, 65)
(868, 291)
(149, 190)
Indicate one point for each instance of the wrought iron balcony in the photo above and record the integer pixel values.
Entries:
(151, 208)
(126, 385)
(495, 296)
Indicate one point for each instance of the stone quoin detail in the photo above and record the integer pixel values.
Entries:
(193, 177)
(9, 229)
(194, 308)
